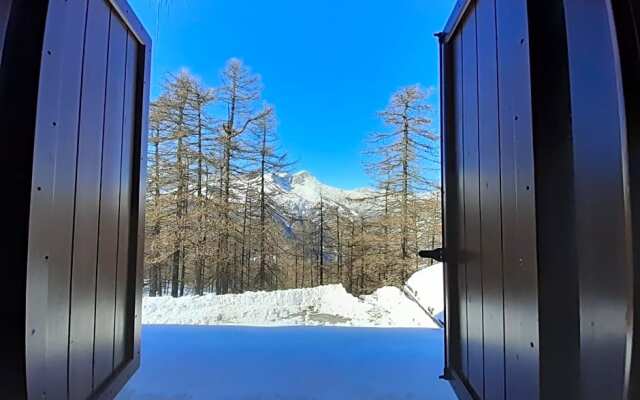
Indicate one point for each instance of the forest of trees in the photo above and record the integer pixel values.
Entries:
(213, 224)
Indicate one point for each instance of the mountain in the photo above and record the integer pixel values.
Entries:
(301, 191)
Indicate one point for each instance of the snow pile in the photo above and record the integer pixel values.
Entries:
(402, 311)
(324, 305)
(427, 285)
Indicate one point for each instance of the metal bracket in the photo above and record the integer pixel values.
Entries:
(435, 254)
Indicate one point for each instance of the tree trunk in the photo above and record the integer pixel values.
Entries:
(175, 274)
(262, 273)
(199, 249)
(182, 272)
(362, 259)
(338, 245)
(321, 241)
(405, 194)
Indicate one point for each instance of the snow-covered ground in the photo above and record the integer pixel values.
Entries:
(283, 362)
(291, 363)
(329, 305)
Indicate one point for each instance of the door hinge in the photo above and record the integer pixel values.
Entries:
(446, 375)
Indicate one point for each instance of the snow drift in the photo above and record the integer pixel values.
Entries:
(427, 285)
(323, 305)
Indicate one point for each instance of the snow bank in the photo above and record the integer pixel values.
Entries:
(401, 310)
(427, 286)
(325, 305)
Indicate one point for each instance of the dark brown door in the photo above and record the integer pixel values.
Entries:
(85, 243)
(492, 280)
(541, 176)
(603, 59)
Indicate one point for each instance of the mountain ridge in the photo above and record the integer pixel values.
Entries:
(302, 191)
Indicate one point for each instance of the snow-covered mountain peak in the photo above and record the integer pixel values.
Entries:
(302, 175)
(304, 179)
(303, 191)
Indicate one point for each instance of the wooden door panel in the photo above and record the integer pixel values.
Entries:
(84, 280)
(518, 209)
(110, 203)
(87, 201)
(472, 218)
(540, 188)
(491, 211)
(122, 349)
(58, 130)
(495, 250)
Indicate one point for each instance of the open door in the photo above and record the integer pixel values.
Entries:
(540, 173)
(491, 265)
(79, 71)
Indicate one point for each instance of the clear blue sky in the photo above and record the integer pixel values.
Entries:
(327, 65)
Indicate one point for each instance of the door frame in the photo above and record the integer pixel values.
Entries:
(626, 18)
(449, 193)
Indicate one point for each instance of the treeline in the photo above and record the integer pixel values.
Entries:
(213, 222)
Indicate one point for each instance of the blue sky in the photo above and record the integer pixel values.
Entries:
(327, 65)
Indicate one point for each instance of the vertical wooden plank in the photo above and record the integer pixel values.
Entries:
(85, 239)
(56, 142)
(109, 203)
(602, 214)
(40, 233)
(518, 203)
(122, 348)
(490, 202)
(458, 69)
(471, 175)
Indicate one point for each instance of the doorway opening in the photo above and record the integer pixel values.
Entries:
(283, 208)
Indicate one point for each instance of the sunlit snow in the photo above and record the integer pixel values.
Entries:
(322, 305)
(271, 357)
(291, 363)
